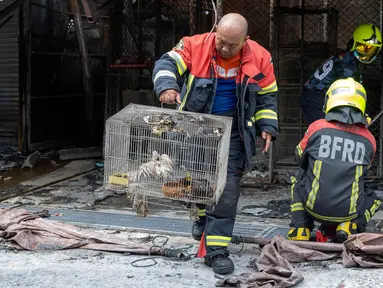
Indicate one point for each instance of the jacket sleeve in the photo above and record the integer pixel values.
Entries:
(171, 66)
(266, 117)
(301, 150)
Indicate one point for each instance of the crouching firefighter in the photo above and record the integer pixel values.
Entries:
(334, 157)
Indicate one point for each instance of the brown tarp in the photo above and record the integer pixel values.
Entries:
(28, 231)
(274, 268)
(363, 250)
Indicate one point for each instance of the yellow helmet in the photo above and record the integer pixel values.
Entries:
(366, 43)
(346, 92)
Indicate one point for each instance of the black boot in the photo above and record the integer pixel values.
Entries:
(220, 263)
(198, 228)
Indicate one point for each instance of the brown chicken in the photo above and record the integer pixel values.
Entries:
(184, 188)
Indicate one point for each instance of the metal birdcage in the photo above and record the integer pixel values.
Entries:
(166, 153)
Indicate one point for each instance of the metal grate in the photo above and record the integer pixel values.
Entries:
(257, 14)
(9, 79)
(302, 44)
(167, 153)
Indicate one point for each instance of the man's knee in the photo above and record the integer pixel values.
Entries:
(299, 215)
(236, 163)
(228, 201)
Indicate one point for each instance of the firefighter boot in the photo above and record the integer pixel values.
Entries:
(344, 230)
(198, 228)
(220, 263)
(299, 234)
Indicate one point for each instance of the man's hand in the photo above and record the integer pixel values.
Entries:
(170, 96)
(267, 137)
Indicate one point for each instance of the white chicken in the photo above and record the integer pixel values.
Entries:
(160, 166)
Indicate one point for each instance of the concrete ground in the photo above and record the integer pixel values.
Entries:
(93, 269)
(85, 192)
(83, 268)
(266, 205)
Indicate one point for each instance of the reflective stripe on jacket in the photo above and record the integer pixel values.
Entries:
(337, 157)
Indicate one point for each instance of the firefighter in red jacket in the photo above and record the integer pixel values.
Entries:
(334, 156)
(226, 74)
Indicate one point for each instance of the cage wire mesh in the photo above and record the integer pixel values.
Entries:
(166, 153)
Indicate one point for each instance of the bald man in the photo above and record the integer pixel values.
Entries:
(227, 74)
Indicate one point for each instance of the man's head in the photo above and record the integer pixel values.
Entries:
(231, 35)
(366, 43)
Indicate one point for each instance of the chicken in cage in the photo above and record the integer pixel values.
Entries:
(165, 153)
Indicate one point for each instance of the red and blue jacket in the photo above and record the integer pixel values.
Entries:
(194, 59)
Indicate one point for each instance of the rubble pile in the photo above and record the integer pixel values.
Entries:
(10, 158)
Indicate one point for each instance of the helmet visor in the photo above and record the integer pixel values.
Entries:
(366, 52)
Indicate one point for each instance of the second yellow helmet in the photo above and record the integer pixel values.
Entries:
(366, 43)
(346, 92)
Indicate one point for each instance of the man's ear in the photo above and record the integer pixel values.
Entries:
(215, 27)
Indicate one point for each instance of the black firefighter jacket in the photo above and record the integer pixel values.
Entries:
(337, 157)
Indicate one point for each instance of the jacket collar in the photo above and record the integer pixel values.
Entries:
(248, 63)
